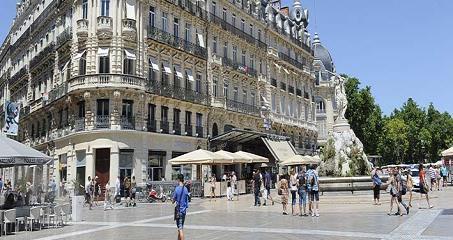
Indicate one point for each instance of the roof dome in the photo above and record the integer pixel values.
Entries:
(322, 54)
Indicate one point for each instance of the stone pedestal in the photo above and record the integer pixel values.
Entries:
(341, 125)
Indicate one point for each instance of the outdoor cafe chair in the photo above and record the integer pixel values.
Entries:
(35, 216)
(65, 212)
(9, 217)
(55, 217)
(44, 214)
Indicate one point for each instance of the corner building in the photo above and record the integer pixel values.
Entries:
(118, 87)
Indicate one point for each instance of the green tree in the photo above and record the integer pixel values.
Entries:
(394, 142)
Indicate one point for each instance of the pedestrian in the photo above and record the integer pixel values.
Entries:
(438, 178)
(107, 197)
(224, 177)
(234, 181)
(293, 188)
(393, 190)
(402, 189)
(1, 186)
(133, 191)
(302, 191)
(444, 174)
(96, 193)
(410, 185)
(283, 192)
(432, 175)
(257, 185)
(212, 181)
(88, 194)
(267, 186)
(424, 189)
(313, 191)
(53, 190)
(180, 197)
(377, 182)
(118, 190)
(229, 189)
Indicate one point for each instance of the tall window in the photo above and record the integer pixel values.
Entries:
(155, 165)
(176, 116)
(151, 112)
(104, 64)
(83, 65)
(128, 63)
(214, 7)
(103, 107)
(105, 5)
(274, 106)
(152, 17)
(251, 29)
(187, 32)
(235, 94)
(188, 119)
(259, 34)
(214, 45)
(243, 25)
(252, 98)
(252, 61)
(164, 113)
(225, 50)
(243, 57)
(235, 53)
(199, 120)
(214, 86)
(225, 88)
(81, 107)
(164, 21)
(233, 20)
(176, 27)
(244, 96)
(198, 83)
(224, 14)
(85, 9)
(128, 106)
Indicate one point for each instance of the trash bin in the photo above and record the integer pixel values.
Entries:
(77, 206)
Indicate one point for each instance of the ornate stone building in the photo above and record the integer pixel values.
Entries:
(117, 87)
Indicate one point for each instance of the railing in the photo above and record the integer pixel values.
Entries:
(102, 121)
(188, 129)
(176, 92)
(297, 42)
(127, 122)
(199, 131)
(25, 36)
(57, 92)
(274, 82)
(176, 42)
(64, 37)
(49, 51)
(151, 125)
(129, 25)
(24, 111)
(82, 27)
(16, 77)
(164, 126)
(320, 110)
(238, 32)
(281, 118)
(239, 67)
(191, 8)
(105, 24)
(242, 107)
(177, 128)
(79, 124)
(106, 80)
(290, 60)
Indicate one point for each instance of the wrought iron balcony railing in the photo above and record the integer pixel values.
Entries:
(190, 7)
(177, 92)
(102, 121)
(188, 129)
(242, 107)
(177, 128)
(151, 125)
(176, 42)
(164, 126)
(236, 31)
(16, 77)
(79, 124)
(290, 60)
(57, 92)
(199, 131)
(127, 123)
(239, 67)
(297, 42)
(48, 52)
(64, 37)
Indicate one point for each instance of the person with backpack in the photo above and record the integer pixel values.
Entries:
(267, 186)
(302, 191)
(377, 182)
(180, 197)
(402, 188)
(257, 186)
(313, 191)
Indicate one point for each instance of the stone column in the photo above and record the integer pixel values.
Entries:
(116, 113)
(90, 164)
(114, 164)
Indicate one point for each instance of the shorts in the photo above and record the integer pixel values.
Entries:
(87, 197)
(302, 197)
(268, 189)
(376, 191)
(433, 180)
(180, 222)
(445, 178)
(314, 196)
(293, 197)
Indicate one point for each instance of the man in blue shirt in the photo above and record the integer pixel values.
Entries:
(180, 197)
(313, 191)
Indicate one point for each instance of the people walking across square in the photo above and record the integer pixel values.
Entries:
(283, 192)
(293, 190)
(302, 191)
(377, 183)
(181, 199)
(313, 191)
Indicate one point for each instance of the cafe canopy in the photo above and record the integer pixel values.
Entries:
(300, 160)
(14, 153)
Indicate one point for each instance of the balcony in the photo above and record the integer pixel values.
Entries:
(176, 42)
(289, 120)
(24, 111)
(101, 122)
(82, 28)
(297, 42)
(290, 60)
(127, 123)
(129, 29)
(151, 125)
(46, 54)
(272, 52)
(164, 127)
(189, 130)
(106, 81)
(274, 82)
(242, 107)
(177, 128)
(57, 93)
(18, 76)
(188, 6)
(104, 27)
(177, 92)
(199, 131)
(64, 37)
(239, 67)
(236, 31)
(79, 124)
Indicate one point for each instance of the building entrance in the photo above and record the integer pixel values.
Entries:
(102, 166)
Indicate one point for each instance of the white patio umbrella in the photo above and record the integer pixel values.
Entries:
(14, 153)
(300, 160)
(246, 157)
(448, 152)
(230, 156)
(200, 156)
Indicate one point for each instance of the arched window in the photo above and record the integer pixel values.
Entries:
(215, 130)
(320, 106)
(83, 64)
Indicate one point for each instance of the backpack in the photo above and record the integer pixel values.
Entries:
(403, 186)
(302, 181)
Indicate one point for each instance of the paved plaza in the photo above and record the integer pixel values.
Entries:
(343, 216)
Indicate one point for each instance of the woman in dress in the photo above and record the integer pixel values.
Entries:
(424, 188)
(284, 193)
(394, 192)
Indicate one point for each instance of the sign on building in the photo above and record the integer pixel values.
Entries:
(11, 118)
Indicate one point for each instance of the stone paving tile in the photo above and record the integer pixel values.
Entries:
(47, 232)
(442, 226)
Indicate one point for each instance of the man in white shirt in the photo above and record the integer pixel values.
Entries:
(117, 188)
(234, 181)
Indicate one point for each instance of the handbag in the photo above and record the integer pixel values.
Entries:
(177, 213)
(279, 191)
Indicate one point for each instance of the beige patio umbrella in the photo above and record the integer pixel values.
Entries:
(230, 156)
(200, 156)
(448, 152)
(300, 160)
(246, 157)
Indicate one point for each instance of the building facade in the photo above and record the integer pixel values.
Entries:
(118, 87)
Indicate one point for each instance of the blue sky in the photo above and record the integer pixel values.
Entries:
(401, 48)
